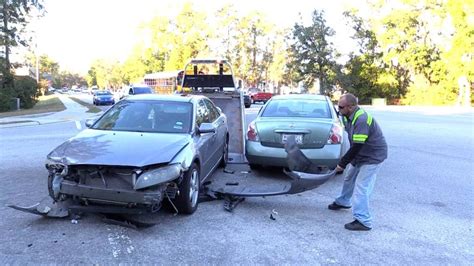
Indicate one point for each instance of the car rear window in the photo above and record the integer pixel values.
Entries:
(142, 90)
(148, 116)
(297, 108)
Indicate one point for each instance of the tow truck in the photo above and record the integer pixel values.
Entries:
(236, 181)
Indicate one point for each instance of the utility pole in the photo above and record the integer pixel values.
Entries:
(37, 60)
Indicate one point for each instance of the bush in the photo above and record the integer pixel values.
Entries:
(6, 90)
(26, 89)
(5, 99)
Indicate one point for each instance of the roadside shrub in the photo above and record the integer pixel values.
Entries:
(6, 90)
(5, 99)
(26, 89)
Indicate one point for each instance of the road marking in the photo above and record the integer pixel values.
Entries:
(78, 125)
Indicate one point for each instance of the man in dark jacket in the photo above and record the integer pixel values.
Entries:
(361, 163)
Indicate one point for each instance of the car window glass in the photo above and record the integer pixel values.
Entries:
(142, 90)
(213, 112)
(297, 108)
(202, 115)
(147, 116)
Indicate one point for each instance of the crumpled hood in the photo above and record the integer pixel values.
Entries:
(100, 147)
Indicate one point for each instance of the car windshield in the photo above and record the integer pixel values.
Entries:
(297, 108)
(148, 116)
(103, 93)
(141, 90)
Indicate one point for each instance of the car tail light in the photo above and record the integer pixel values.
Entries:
(252, 132)
(335, 137)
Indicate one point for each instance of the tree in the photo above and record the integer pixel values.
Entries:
(416, 43)
(14, 17)
(312, 53)
(91, 77)
(409, 49)
(107, 74)
(279, 53)
(460, 56)
(68, 79)
(365, 74)
(169, 44)
(226, 34)
(190, 32)
(48, 69)
(135, 67)
(248, 43)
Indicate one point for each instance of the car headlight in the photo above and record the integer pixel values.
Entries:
(158, 176)
(56, 165)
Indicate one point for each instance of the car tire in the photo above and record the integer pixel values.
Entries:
(187, 200)
(225, 154)
(247, 106)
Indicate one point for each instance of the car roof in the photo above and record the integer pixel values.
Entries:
(164, 97)
(299, 96)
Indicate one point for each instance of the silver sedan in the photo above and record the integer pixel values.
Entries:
(143, 150)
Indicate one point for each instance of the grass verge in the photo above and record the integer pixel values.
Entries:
(90, 107)
(45, 104)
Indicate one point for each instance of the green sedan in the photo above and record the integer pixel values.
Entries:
(311, 119)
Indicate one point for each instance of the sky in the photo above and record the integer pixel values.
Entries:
(76, 32)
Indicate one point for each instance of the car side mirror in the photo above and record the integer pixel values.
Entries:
(207, 128)
(90, 122)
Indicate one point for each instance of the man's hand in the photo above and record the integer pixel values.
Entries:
(339, 169)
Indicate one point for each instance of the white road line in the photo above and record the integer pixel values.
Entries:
(78, 125)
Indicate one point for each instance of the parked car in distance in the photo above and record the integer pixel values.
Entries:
(135, 90)
(103, 97)
(247, 101)
(141, 151)
(257, 95)
(311, 119)
(93, 90)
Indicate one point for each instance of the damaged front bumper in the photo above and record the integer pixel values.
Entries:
(78, 189)
(110, 195)
(121, 189)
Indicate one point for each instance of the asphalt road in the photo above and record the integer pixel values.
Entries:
(422, 205)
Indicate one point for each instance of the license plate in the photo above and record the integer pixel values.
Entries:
(298, 138)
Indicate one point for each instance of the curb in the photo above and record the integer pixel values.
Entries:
(19, 124)
(30, 123)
